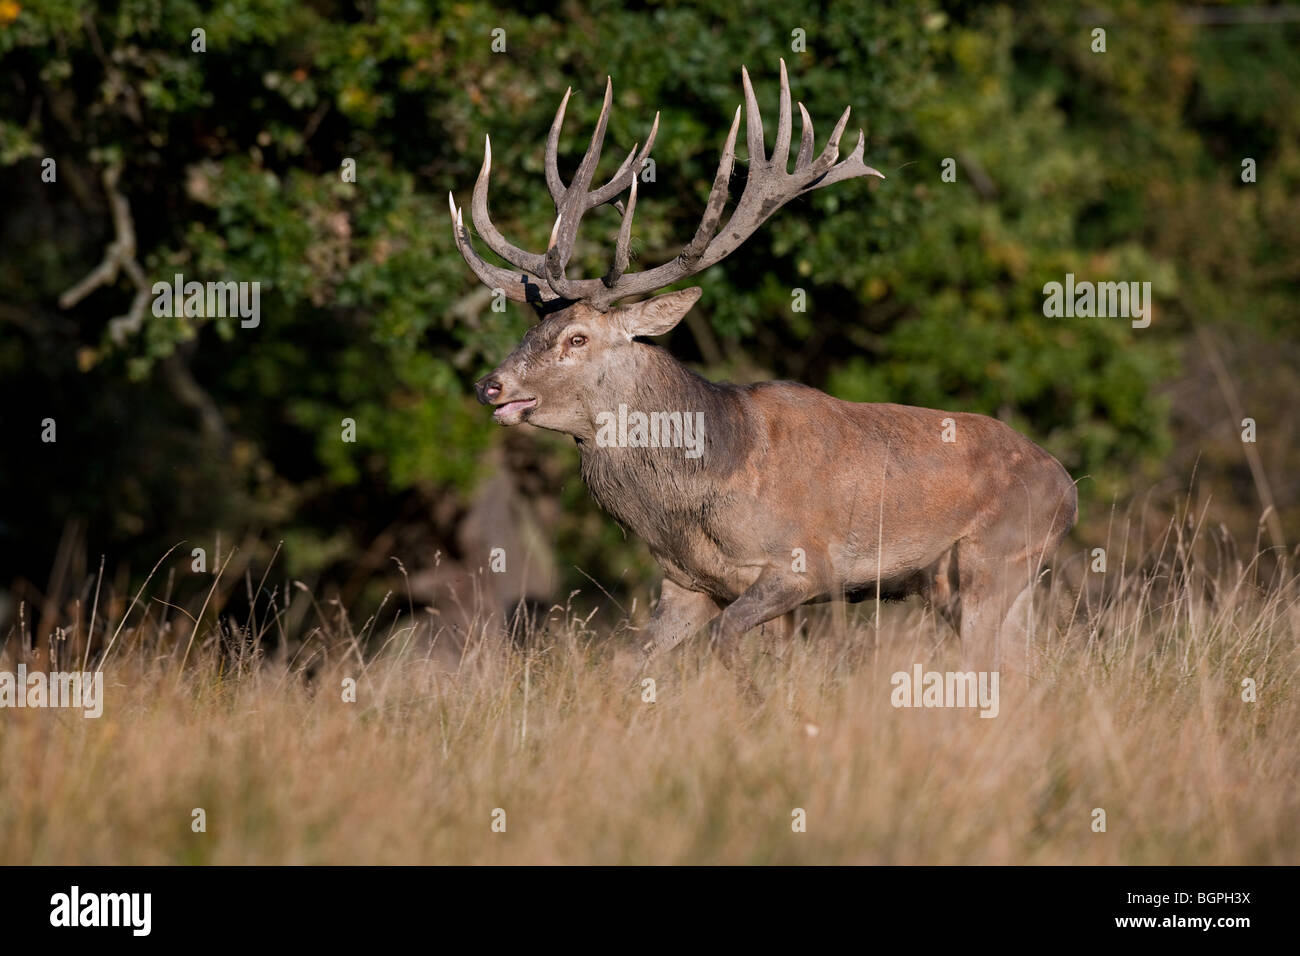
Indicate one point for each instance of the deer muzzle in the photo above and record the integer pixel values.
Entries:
(506, 410)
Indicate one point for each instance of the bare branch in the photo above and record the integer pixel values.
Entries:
(119, 256)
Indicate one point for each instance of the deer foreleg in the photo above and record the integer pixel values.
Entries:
(771, 596)
(678, 615)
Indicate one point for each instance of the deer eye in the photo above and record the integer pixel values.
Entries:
(578, 341)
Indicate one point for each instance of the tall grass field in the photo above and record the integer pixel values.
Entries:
(1158, 723)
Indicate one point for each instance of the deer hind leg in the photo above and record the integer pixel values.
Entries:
(996, 575)
(998, 567)
(989, 589)
(942, 590)
(1016, 632)
(678, 615)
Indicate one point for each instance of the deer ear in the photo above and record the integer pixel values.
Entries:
(658, 315)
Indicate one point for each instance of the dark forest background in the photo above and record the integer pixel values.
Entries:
(225, 165)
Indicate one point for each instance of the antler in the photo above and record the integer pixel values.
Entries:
(768, 187)
(541, 278)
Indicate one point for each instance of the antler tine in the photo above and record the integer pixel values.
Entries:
(805, 139)
(630, 168)
(575, 197)
(519, 286)
(553, 181)
(717, 198)
(528, 261)
(781, 151)
(831, 151)
(554, 271)
(624, 241)
(607, 192)
(852, 167)
(562, 286)
(753, 124)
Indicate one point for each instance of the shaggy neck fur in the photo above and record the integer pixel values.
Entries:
(659, 493)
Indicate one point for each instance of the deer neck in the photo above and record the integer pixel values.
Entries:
(664, 440)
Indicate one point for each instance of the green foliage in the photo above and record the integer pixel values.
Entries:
(919, 291)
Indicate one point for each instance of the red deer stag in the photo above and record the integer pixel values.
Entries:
(791, 496)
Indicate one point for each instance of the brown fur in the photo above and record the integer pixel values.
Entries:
(867, 492)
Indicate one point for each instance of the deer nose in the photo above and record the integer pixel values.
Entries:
(488, 390)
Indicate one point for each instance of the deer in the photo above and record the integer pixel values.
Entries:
(794, 497)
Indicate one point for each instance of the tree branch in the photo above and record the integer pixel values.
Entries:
(119, 256)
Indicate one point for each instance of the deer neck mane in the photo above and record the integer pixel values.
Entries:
(645, 469)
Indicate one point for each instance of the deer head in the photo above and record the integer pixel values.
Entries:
(585, 346)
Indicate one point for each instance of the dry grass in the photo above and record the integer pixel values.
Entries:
(1135, 707)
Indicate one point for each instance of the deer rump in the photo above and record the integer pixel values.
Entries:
(791, 496)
